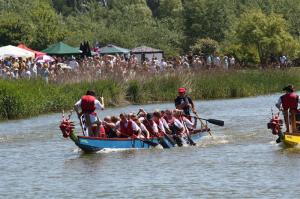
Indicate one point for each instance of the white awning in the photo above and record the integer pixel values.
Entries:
(13, 51)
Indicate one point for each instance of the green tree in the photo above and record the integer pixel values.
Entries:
(49, 27)
(14, 30)
(268, 34)
(205, 46)
(170, 8)
(207, 18)
(290, 10)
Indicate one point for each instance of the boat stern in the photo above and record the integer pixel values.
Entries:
(292, 139)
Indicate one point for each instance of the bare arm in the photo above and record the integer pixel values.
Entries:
(77, 107)
(99, 105)
(278, 104)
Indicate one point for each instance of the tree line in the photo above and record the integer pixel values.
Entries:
(252, 31)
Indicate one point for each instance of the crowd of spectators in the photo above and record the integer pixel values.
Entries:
(104, 66)
(82, 68)
(75, 69)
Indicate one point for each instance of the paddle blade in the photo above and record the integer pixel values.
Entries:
(216, 122)
(153, 144)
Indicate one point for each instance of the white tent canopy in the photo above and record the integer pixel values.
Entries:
(13, 51)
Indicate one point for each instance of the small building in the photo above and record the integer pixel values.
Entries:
(144, 52)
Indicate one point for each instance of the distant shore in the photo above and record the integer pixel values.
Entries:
(27, 98)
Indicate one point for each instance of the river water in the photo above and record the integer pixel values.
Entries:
(241, 160)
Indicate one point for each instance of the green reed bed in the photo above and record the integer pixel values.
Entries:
(25, 98)
(216, 84)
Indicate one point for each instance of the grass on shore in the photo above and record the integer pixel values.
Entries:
(26, 98)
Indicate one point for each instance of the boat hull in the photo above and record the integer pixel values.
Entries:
(291, 139)
(92, 144)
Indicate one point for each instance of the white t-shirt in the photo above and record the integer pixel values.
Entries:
(143, 127)
(232, 60)
(178, 124)
(28, 73)
(74, 64)
(154, 126)
(165, 123)
(161, 126)
(188, 123)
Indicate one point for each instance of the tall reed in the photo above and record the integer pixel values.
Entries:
(25, 98)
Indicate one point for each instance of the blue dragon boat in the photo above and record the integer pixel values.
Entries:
(93, 144)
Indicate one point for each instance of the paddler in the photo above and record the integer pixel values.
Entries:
(288, 103)
(85, 109)
(154, 130)
(144, 130)
(110, 127)
(127, 127)
(163, 127)
(176, 126)
(184, 102)
(150, 125)
(185, 123)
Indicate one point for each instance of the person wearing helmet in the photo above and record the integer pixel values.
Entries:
(184, 102)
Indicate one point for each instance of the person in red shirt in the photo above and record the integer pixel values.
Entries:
(288, 103)
(127, 127)
(85, 109)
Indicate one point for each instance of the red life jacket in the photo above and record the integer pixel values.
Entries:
(149, 126)
(126, 131)
(290, 101)
(88, 104)
(107, 128)
(157, 122)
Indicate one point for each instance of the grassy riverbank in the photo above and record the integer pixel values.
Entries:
(23, 98)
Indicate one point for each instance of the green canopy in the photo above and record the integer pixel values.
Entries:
(61, 49)
(111, 49)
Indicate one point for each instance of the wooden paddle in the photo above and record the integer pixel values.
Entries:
(202, 123)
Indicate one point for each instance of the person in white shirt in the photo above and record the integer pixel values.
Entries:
(85, 109)
(163, 65)
(232, 61)
(74, 64)
(144, 130)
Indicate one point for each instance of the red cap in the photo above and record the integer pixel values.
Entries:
(181, 90)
